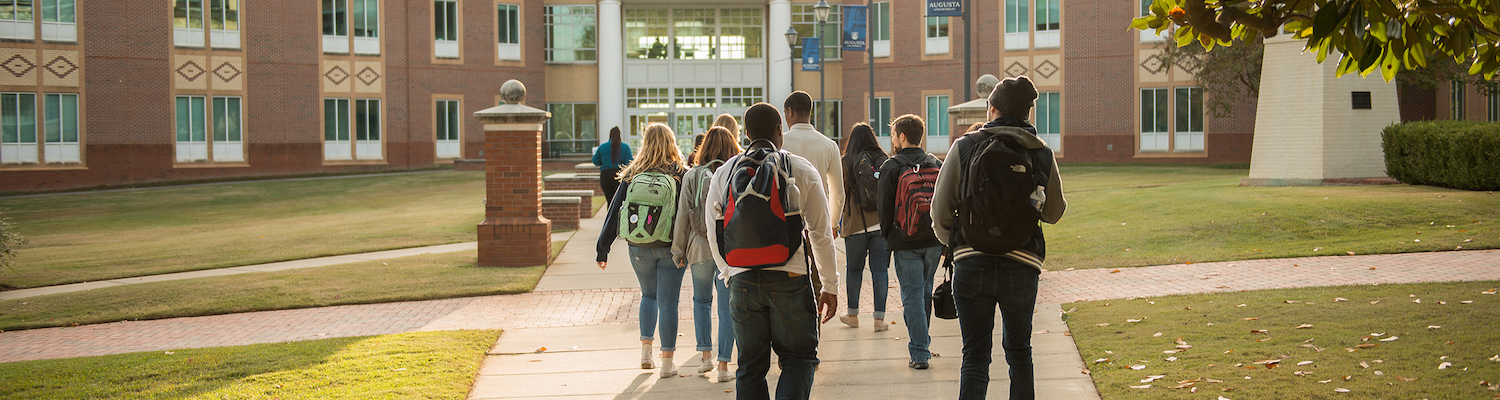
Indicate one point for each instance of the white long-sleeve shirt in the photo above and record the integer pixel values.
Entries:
(804, 140)
(806, 191)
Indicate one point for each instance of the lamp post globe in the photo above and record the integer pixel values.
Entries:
(820, 11)
(791, 37)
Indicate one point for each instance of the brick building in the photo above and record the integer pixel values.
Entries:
(109, 93)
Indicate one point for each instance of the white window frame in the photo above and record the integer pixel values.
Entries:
(1017, 24)
(552, 27)
(446, 47)
(1048, 119)
(1457, 100)
(1157, 140)
(367, 149)
(937, 30)
(1494, 106)
(448, 132)
(340, 146)
(832, 37)
(16, 28)
(61, 150)
(20, 151)
(937, 120)
(64, 24)
(229, 149)
(338, 40)
(195, 147)
(222, 38)
(369, 42)
(1149, 35)
(1186, 139)
(1048, 34)
(880, 16)
(189, 36)
(881, 121)
(508, 32)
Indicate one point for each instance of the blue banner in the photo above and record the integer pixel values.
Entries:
(856, 32)
(945, 8)
(812, 55)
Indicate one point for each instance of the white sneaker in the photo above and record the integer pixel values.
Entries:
(725, 375)
(706, 365)
(881, 325)
(850, 320)
(646, 357)
(668, 368)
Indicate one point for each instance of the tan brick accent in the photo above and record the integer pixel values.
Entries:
(226, 73)
(190, 72)
(1150, 67)
(61, 68)
(18, 67)
(369, 77)
(337, 76)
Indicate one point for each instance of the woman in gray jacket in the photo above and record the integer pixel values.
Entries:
(691, 248)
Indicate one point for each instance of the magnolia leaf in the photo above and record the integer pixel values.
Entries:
(1445, 365)
(1299, 364)
(1363, 364)
(1390, 339)
(1304, 326)
(1141, 387)
(1158, 334)
(1341, 390)
(1150, 378)
(1338, 299)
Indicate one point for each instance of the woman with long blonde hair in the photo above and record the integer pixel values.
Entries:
(728, 122)
(691, 249)
(658, 166)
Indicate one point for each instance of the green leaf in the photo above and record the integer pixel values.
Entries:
(1141, 23)
(1324, 23)
(1389, 64)
(1185, 36)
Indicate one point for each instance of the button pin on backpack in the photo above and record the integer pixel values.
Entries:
(1018, 168)
(634, 218)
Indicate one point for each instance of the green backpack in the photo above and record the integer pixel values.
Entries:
(649, 208)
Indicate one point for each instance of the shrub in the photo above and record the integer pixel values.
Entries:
(1456, 154)
(10, 241)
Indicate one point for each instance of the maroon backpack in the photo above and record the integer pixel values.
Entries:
(914, 188)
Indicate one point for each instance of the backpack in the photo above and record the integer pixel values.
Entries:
(759, 226)
(1002, 195)
(865, 190)
(695, 223)
(914, 188)
(649, 208)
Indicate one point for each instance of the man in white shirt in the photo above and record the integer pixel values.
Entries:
(774, 306)
(804, 140)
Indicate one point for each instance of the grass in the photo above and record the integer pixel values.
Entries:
(420, 365)
(1428, 334)
(1153, 215)
(423, 277)
(97, 236)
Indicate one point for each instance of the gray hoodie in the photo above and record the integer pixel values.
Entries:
(945, 199)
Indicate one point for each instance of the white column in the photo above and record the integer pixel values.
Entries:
(779, 80)
(611, 68)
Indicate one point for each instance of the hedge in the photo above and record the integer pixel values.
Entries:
(1456, 154)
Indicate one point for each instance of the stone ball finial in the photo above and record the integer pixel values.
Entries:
(985, 85)
(513, 92)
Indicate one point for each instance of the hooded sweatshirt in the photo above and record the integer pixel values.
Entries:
(946, 198)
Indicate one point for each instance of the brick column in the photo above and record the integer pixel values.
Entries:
(514, 233)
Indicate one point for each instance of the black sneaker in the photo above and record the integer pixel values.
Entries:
(917, 364)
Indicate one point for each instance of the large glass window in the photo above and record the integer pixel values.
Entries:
(741, 97)
(227, 142)
(694, 98)
(447, 131)
(223, 27)
(194, 143)
(1017, 24)
(1456, 100)
(1048, 23)
(366, 15)
(508, 30)
(187, 23)
(16, 10)
(335, 17)
(18, 128)
(1494, 106)
(224, 23)
(937, 35)
(806, 24)
(61, 111)
(1048, 120)
(336, 143)
(367, 130)
(881, 121)
(937, 116)
(445, 28)
(880, 29)
(828, 115)
(1188, 135)
(693, 33)
(1154, 130)
(570, 33)
(58, 20)
(740, 34)
(192, 131)
(647, 98)
(572, 128)
(646, 33)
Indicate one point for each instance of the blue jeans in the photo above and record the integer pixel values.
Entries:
(857, 247)
(980, 284)
(661, 285)
(915, 269)
(703, 303)
(773, 310)
(726, 322)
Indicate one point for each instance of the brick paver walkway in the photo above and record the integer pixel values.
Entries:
(611, 306)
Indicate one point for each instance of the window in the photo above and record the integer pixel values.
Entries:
(740, 33)
(187, 23)
(366, 15)
(740, 97)
(572, 128)
(1189, 126)
(223, 23)
(1048, 119)
(1048, 23)
(1154, 130)
(1456, 103)
(937, 116)
(806, 24)
(570, 33)
(1017, 25)
(881, 121)
(694, 98)
(1149, 35)
(58, 20)
(1494, 106)
(647, 98)
(447, 131)
(445, 27)
(15, 20)
(646, 34)
(880, 29)
(18, 128)
(192, 132)
(937, 35)
(335, 26)
(337, 130)
(194, 143)
(827, 115)
(227, 143)
(693, 33)
(509, 31)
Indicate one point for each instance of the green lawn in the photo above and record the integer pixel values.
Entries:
(95, 236)
(421, 365)
(1405, 343)
(1151, 215)
(423, 277)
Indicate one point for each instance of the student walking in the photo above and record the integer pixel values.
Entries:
(802, 139)
(691, 249)
(768, 216)
(610, 157)
(1001, 182)
(643, 211)
(859, 224)
(907, 181)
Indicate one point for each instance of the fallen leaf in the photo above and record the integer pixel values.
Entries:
(1240, 305)
(1466, 302)
(1102, 324)
(1183, 385)
(1418, 301)
(1341, 390)
(1212, 380)
(1299, 373)
(541, 350)
(1366, 345)
(1375, 302)
(1352, 253)
(1338, 299)
(1491, 291)
(1268, 362)
(1169, 351)
(1184, 346)
(1434, 327)
(1304, 326)
(1250, 319)
(1116, 272)
(398, 370)
(1132, 320)
(1377, 334)
(1259, 331)
(1299, 364)
(1363, 364)
(1171, 358)
(1291, 301)
(1325, 381)
(1390, 339)
(1378, 373)
(1101, 360)
(1158, 334)
(169, 352)
(1151, 378)
(1138, 367)
(1445, 365)
(1141, 387)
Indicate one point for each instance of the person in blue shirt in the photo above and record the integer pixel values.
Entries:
(610, 157)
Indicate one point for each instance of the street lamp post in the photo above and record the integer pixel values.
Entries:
(791, 43)
(820, 12)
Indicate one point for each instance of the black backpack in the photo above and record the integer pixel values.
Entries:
(758, 227)
(1002, 195)
(866, 177)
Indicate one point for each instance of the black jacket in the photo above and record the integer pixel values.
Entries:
(890, 172)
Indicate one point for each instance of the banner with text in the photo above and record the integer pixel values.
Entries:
(812, 54)
(945, 8)
(855, 30)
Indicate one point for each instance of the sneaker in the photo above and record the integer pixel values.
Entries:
(706, 365)
(646, 357)
(881, 326)
(668, 368)
(725, 375)
(850, 320)
(914, 364)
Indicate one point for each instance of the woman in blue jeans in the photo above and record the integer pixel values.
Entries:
(860, 227)
(691, 249)
(660, 278)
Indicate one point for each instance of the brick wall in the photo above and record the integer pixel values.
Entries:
(564, 214)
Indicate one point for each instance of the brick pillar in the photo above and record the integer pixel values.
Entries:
(514, 232)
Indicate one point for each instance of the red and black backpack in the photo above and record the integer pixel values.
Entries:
(759, 227)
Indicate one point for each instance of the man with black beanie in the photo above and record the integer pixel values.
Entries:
(1007, 281)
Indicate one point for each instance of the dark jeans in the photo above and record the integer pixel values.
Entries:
(980, 285)
(609, 184)
(774, 311)
(871, 246)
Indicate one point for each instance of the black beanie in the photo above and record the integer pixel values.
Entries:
(1014, 97)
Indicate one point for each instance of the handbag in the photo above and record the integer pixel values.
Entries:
(942, 297)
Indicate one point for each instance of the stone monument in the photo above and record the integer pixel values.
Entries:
(514, 233)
